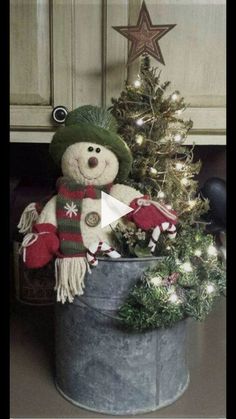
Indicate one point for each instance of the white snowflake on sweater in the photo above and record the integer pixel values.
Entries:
(71, 209)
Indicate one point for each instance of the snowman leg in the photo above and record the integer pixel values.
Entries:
(171, 231)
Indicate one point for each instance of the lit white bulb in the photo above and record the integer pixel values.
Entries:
(161, 194)
(168, 206)
(140, 121)
(212, 251)
(187, 267)
(173, 298)
(198, 252)
(137, 83)
(175, 96)
(168, 247)
(184, 181)
(191, 203)
(156, 281)
(210, 289)
(179, 111)
(177, 138)
(139, 139)
(179, 166)
(153, 170)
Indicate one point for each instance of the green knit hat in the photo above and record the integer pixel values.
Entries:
(94, 125)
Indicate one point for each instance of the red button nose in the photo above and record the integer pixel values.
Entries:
(92, 161)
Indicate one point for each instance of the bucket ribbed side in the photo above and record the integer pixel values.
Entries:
(104, 368)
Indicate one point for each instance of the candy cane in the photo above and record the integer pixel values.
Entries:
(103, 247)
(170, 228)
(171, 231)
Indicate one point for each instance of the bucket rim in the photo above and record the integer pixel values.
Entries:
(134, 259)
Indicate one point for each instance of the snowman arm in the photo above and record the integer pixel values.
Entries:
(48, 213)
(42, 244)
(128, 196)
(147, 214)
(124, 193)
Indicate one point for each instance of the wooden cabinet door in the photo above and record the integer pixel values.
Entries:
(40, 61)
(194, 53)
(195, 57)
(65, 52)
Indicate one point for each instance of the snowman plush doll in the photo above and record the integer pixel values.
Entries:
(93, 158)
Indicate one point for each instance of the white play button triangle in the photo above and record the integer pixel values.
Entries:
(112, 209)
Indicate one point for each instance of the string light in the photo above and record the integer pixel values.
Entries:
(140, 121)
(187, 267)
(139, 139)
(161, 194)
(175, 96)
(191, 203)
(212, 251)
(169, 206)
(184, 181)
(179, 166)
(153, 171)
(173, 298)
(168, 247)
(156, 280)
(210, 288)
(178, 138)
(137, 83)
(198, 252)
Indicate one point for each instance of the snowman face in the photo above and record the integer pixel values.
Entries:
(89, 164)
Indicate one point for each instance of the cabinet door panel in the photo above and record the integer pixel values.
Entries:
(87, 49)
(30, 53)
(195, 50)
(194, 53)
(195, 57)
(114, 49)
(41, 54)
(65, 52)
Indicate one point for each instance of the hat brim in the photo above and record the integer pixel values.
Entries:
(89, 133)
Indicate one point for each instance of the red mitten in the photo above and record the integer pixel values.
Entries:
(149, 214)
(40, 246)
(134, 204)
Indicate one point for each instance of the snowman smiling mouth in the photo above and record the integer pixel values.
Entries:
(93, 178)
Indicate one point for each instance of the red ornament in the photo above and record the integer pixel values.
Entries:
(172, 279)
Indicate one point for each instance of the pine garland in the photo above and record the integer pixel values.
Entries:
(184, 284)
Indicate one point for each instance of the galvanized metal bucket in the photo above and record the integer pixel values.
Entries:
(102, 367)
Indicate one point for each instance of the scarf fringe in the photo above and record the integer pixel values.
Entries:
(28, 218)
(70, 273)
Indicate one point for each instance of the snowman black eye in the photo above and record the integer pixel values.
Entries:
(98, 150)
(90, 148)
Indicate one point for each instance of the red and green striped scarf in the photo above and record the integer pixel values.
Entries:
(68, 211)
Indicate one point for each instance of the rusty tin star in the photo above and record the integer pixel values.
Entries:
(144, 36)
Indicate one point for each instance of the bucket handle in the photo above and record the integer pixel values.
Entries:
(101, 312)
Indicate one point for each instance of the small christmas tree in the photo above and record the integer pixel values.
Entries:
(150, 122)
(191, 276)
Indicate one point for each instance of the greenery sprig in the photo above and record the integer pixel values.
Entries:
(184, 284)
